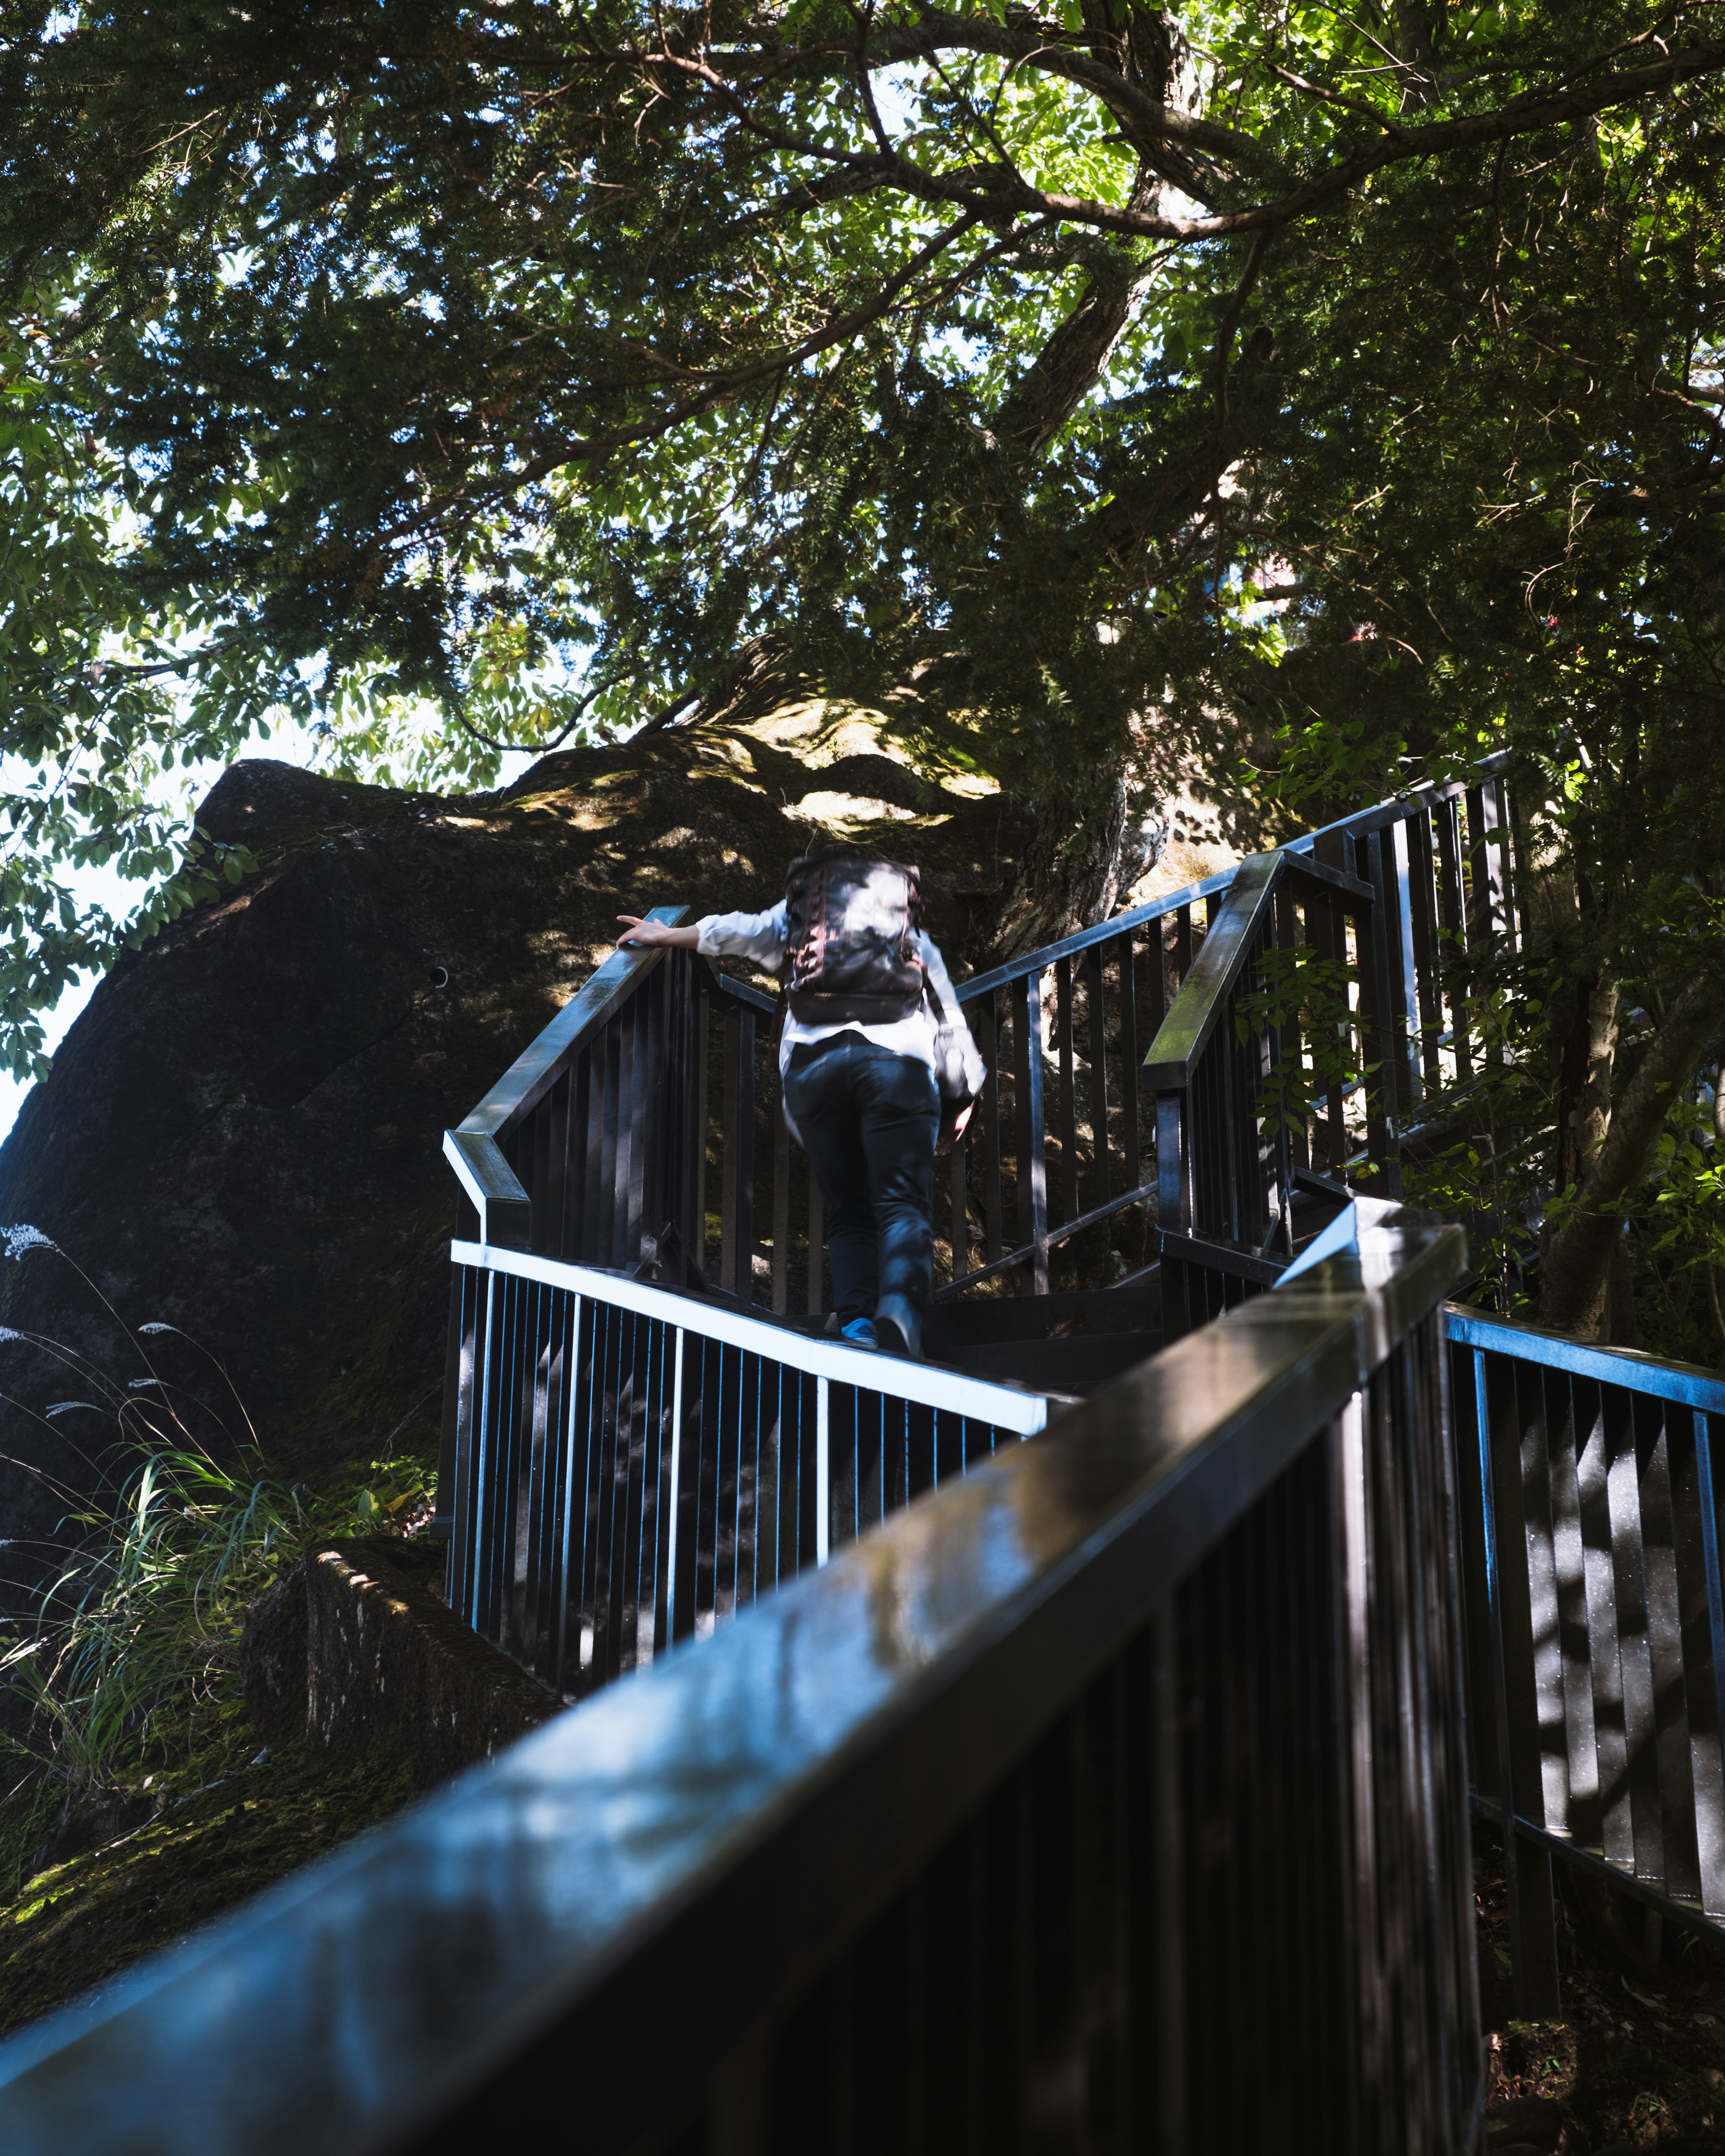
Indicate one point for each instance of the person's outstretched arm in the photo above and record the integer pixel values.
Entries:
(640, 933)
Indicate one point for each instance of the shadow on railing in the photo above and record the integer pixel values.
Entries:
(1113, 1797)
(628, 1466)
(1590, 1531)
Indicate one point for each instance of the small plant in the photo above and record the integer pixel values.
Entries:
(1298, 986)
(129, 1669)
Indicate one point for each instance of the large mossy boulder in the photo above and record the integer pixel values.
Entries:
(240, 1136)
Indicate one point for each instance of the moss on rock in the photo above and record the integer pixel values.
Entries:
(78, 1923)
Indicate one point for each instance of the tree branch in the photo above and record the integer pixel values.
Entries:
(1575, 1265)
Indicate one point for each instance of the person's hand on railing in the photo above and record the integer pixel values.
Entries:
(639, 934)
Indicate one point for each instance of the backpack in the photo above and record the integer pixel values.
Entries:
(850, 930)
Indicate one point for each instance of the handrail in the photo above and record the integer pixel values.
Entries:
(534, 1071)
(505, 1212)
(751, 1804)
(1692, 1384)
(1191, 1022)
(1192, 1017)
(1001, 1401)
(1116, 924)
(1400, 806)
(1377, 818)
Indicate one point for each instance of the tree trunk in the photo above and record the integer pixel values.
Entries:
(1589, 1051)
(1576, 1266)
(1087, 847)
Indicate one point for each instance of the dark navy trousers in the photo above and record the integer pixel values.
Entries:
(868, 1120)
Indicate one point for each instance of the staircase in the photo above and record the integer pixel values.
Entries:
(1107, 1793)
(1115, 1192)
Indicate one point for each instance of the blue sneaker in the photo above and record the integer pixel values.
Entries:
(861, 1330)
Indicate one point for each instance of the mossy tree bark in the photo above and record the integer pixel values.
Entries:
(1582, 1249)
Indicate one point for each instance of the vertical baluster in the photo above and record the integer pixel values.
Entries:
(1377, 1023)
(1405, 964)
(1131, 1144)
(654, 1128)
(736, 1270)
(1426, 969)
(636, 1463)
(1704, 1661)
(1064, 1030)
(457, 1496)
(539, 1375)
(457, 1404)
(1661, 1556)
(1235, 1103)
(1331, 919)
(1096, 997)
(781, 1199)
(625, 1247)
(1480, 921)
(572, 1477)
(1527, 1863)
(1521, 869)
(1182, 944)
(988, 1014)
(1174, 1164)
(548, 1220)
(1032, 1162)
(1604, 1667)
(535, 1156)
(602, 1146)
(1453, 913)
(578, 1205)
(703, 1042)
(1494, 833)
(665, 1607)
(1569, 1568)
(958, 1175)
(681, 1202)
(1292, 1045)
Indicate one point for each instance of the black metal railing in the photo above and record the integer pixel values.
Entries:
(1402, 904)
(647, 1113)
(1590, 1510)
(1226, 1169)
(630, 1466)
(1111, 1798)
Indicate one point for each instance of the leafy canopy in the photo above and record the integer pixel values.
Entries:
(455, 377)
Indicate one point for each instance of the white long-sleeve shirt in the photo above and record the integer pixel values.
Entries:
(763, 937)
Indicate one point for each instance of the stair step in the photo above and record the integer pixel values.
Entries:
(1067, 1365)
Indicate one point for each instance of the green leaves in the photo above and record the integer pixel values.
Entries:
(466, 381)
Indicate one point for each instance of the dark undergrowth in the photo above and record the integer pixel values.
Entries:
(1637, 2059)
(80, 1922)
(136, 1800)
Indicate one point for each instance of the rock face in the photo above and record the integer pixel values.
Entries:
(240, 1137)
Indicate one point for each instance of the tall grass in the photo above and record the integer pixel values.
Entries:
(126, 1676)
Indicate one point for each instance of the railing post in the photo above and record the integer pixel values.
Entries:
(1174, 1164)
(676, 1484)
(1527, 1862)
(781, 1202)
(1033, 1144)
(1707, 1713)
(736, 1262)
(1400, 879)
(1378, 1000)
(823, 1471)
